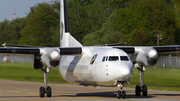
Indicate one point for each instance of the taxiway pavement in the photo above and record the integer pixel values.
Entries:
(29, 91)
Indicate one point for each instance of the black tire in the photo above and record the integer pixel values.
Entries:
(123, 94)
(41, 91)
(138, 90)
(144, 90)
(49, 91)
(119, 94)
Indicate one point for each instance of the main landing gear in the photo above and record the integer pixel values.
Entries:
(121, 93)
(142, 88)
(45, 89)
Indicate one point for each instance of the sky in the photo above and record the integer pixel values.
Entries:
(21, 7)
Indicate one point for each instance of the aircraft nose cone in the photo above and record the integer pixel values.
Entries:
(121, 72)
(124, 70)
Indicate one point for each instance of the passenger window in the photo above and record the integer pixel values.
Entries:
(124, 58)
(93, 59)
(113, 58)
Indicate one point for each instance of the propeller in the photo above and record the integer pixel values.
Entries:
(147, 56)
(50, 57)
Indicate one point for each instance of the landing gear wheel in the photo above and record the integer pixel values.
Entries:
(119, 94)
(49, 92)
(144, 90)
(41, 91)
(123, 94)
(138, 90)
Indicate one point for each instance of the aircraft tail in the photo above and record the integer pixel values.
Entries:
(66, 40)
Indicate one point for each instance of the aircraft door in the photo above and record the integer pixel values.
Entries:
(93, 71)
(92, 66)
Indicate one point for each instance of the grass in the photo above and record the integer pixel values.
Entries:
(26, 72)
(155, 78)
(159, 78)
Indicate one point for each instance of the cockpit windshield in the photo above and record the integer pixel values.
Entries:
(113, 58)
(124, 58)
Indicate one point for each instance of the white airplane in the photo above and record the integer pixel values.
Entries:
(105, 65)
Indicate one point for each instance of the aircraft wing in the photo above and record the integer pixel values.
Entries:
(18, 46)
(26, 51)
(145, 55)
(159, 49)
(167, 49)
(44, 56)
(39, 51)
(148, 55)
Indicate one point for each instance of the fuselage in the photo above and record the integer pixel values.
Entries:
(103, 66)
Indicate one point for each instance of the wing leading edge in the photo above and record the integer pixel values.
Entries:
(37, 51)
(28, 51)
(167, 49)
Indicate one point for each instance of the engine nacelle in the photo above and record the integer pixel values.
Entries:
(50, 57)
(146, 56)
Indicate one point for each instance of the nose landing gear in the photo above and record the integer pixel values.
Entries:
(121, 93)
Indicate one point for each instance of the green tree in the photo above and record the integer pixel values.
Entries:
(87, 16)
(17, 24)
(177, 9)
(42, 25)
(105, 35)
(138, 38)
(6, 32)
(116, 4)
(169, 3)
(147, 15)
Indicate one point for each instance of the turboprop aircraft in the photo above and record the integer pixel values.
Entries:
(104, 65)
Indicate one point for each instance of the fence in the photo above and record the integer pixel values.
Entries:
(168, 61)
(18, 58)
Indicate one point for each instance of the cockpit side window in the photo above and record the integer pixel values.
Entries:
(113, 58)
(104, 58)
(124, 58)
